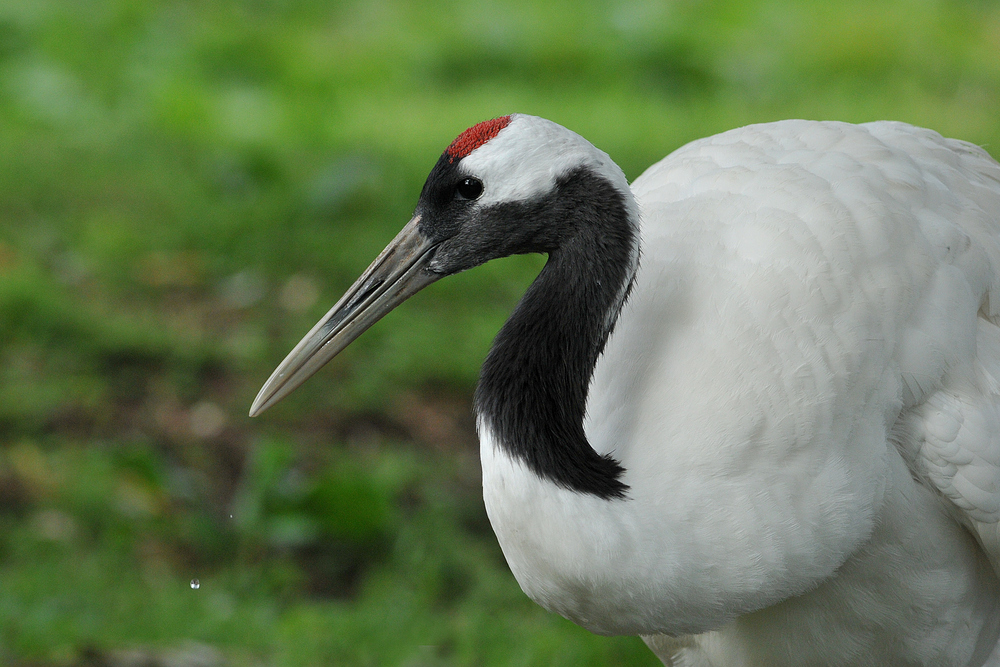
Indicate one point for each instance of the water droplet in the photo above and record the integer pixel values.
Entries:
(195, 584)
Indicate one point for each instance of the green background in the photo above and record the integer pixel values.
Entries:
(185, 187)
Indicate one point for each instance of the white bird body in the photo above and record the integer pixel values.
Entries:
(801, 390)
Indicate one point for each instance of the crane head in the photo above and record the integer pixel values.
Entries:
(495, 191)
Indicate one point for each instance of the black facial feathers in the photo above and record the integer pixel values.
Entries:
(533, 386)
(532, 391)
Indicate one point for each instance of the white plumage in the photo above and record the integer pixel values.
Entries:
(802, 389)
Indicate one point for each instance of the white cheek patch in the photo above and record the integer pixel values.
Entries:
(524, 160)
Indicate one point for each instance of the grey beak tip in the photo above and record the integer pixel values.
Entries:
(395, 275)
(259, 406)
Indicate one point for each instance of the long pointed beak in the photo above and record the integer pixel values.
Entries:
(398, 273)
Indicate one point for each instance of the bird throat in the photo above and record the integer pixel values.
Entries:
(532, 391)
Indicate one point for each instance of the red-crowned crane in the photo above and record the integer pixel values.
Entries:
(750, 407)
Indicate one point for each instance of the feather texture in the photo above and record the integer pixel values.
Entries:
(802, 390)
(750, 408)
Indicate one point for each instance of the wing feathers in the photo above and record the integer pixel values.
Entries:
(956, 433)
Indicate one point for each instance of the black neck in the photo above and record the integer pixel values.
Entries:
(533, 388)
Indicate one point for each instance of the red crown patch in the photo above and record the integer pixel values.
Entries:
(475, 136)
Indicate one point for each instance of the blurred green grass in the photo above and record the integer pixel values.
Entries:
(185, 187)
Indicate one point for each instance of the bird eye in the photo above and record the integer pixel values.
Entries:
(469, 188)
